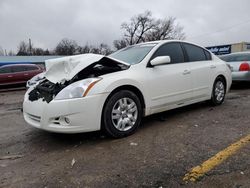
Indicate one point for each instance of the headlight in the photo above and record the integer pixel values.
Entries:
(78, 89)
(35, 79)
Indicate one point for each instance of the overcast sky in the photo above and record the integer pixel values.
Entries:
(46, 22)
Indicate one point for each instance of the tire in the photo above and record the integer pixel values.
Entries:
(122, 114)
(219, 92)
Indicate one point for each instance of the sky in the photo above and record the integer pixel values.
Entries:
(46, 22)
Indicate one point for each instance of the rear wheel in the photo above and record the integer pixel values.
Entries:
(219, 91)
(122, 114)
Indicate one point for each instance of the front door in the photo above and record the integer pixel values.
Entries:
(169, 85)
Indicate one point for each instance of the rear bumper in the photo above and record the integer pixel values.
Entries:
(241, 76)
(65, 116)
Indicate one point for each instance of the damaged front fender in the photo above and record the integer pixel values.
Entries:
(65, 71)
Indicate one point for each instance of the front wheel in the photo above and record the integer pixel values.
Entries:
(219, 92)
(122, 114)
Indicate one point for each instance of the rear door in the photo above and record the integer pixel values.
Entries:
(18, 73)
(202, 68)
(169, 84)
(6, 76)
(30, 71)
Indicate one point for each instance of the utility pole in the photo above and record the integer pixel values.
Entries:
(30, 46)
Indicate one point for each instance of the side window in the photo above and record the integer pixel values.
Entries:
(30, 68)
(208, 55)
(18, 69)
(5, 70)
(173, 50)
(194, 53)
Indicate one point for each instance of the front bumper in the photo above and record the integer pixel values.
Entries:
(65, 116)
(241, 76)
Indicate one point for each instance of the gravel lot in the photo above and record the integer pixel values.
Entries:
(161, 152)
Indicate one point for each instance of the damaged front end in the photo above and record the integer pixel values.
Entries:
(76, 75)
(46, 90)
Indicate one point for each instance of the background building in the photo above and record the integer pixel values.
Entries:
(4, 60)
(230, 48)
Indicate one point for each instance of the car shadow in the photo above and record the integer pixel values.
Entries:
(13, 87)
(240, 85)
(93, 138)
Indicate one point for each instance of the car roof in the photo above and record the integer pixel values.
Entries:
(171, 40)
(236, 53)
(12, 65)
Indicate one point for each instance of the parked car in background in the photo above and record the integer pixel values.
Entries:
(18, 73)
(90, 92)
(240, 65)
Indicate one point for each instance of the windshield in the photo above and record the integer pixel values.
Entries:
(133, 54)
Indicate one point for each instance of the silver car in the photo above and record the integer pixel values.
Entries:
(240, 65)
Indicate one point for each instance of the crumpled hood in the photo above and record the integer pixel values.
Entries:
(62, 69)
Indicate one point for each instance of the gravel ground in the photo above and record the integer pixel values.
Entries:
(159, 154)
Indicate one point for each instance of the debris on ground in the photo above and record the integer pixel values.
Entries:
(214, 121)
(73, 162)
(133, 144)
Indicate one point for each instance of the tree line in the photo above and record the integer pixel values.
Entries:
(140, 28)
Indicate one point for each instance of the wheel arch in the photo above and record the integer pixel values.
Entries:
(223, 77)
(132, 88)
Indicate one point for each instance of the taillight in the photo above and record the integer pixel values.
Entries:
(244, 67)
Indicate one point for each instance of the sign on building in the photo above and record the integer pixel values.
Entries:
(220, 50)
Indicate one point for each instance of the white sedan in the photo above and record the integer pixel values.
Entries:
(91, 92)
(239, 63)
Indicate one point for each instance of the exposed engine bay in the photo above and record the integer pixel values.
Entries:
(47, 90)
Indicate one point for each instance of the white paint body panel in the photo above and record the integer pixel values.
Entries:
(239, 75)
(163, 87)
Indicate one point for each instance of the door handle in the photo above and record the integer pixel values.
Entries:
(26, 74)
(212, 66)
(10, 76)
(185, 72)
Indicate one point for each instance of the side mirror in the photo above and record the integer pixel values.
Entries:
(160, 60)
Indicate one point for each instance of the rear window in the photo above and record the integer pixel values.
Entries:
(5, 70)
(236, 57)
(194, 53)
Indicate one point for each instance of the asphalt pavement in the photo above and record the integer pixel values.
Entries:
(165, 148)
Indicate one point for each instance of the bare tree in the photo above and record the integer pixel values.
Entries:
(119, 44)
(39, 51)
(103, 49)
(84, 49)
(66, 47)
(165, 29)
(11, 53)
(47, 52)
(23, 49)
(1, 51)
(143, 27)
